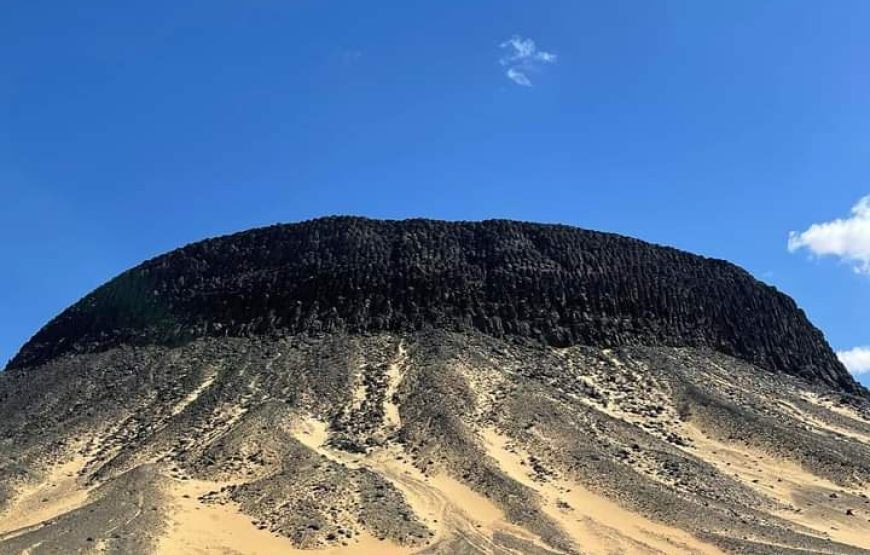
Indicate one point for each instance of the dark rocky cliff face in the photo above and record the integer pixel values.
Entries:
(554, 284)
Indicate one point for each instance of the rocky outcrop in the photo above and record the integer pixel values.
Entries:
(553, 284)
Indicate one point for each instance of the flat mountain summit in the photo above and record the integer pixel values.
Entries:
(348, 385)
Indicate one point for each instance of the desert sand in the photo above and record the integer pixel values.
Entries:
(59, 492)
(805, 499)
(449, 508)
(597, 524)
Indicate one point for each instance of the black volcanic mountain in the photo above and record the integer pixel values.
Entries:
(419, 386)
(556, 284)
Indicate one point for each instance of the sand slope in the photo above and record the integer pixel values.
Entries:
(393, 448)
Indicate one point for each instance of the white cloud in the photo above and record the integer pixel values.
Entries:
(518, 77)
(846, 238)
(521, 58)
(857, 360)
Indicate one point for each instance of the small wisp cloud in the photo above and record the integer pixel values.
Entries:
(522, 58)
(846, 238)
(856, 360)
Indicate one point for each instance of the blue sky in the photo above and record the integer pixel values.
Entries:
(127, 129)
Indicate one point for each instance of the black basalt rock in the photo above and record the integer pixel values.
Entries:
(552, 284)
